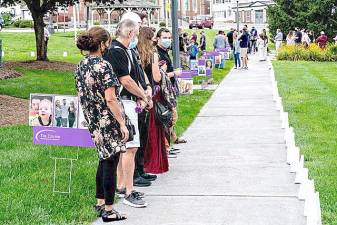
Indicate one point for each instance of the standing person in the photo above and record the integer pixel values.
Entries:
(236, 50)
(46, 36)
(262, 45)
(155, 160)
(291, 38)
(194, 51)
(163, 46)
(194, 37)
(140, 178)
(58, 113)
(298, 35)
(183, 53)
(305, 38)
(278, 39)
(98, 88)
(133, 95)
(64, 113)
(230, 37)
(202, 41)
(335, 39)
(253, 39)
(72, 114)
(311, 36)
(244, 48)
(322, 40)
(220, 41)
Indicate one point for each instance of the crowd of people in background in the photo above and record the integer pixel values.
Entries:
(127, 87)
(303, 37)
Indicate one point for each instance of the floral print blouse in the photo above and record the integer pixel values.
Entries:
(93, 76)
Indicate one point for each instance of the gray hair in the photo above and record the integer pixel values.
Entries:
(125, 27)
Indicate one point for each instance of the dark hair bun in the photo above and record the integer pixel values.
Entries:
(86, 43)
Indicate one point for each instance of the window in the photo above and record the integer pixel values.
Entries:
(194, 5)
(248, 16)
(186, 5)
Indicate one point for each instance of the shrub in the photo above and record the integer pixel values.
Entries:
(162, 24)
(17, 23)
(97, 23)
(310, 53)
(7, 17)
(26, 24)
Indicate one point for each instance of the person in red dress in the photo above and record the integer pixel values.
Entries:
(155, 154)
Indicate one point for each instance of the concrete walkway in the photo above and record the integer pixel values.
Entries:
(233, 170)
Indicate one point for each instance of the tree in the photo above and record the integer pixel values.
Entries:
(38, 10)
(315, 15)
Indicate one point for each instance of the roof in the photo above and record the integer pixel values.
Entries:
(255, 4)
(129, 4)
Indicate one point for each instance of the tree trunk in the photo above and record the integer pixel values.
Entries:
(41, 54)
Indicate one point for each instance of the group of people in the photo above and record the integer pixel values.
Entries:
(306, 37)
(127, 88)
(242, 43)
(189, 47)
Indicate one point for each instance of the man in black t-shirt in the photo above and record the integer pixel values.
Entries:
(122, 60)
(163, 47)
(298, 39)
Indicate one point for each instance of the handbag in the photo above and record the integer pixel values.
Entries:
(163, 114)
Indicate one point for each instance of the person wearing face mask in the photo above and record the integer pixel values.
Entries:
(98, 90)
(163, 46)
(122, 61)
(141, 179)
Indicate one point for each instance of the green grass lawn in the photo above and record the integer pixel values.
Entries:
(309, 91)
(26, 170)
(17, 47)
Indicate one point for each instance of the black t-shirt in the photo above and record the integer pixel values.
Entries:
(122, 62)
(299, 37)
(230, 37)
(163, 55)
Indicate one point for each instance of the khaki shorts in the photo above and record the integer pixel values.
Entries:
(129, 107)
(243, 52)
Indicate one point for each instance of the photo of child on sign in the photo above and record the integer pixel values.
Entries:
(40, 110)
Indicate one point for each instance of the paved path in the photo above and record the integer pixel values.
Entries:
(233, 170)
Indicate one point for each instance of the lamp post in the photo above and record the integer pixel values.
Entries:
(175, 34)
(237, 16)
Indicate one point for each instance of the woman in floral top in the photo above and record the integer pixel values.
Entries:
(98, 90)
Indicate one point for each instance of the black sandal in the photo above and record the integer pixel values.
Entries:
(180, 141)
(99, 209)
(113, 215)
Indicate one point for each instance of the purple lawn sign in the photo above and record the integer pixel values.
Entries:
(202, 62)
(211, 54)
(187, 74)
(208, 72)
(222, 49)
(194, 72)
(62, 137)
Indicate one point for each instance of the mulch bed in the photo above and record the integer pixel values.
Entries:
(42, 65)
(13, 110)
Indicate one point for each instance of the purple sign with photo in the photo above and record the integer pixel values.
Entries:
(186, 74)
(208, 72)
(62, 136)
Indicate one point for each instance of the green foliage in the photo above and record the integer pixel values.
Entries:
(315, 15)
(311, 53)
(162, 24)
(26, 24)
(7, 17)
(97, 23)
(309, 92)
(17, 23)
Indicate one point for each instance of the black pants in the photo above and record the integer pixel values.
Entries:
(106, 179)
(143, 124)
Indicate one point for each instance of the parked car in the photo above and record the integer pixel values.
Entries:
(2, 23)
(202, 21)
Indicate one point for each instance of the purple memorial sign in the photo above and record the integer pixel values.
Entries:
(62, 136)
(211, 54)
(186, 74)
(222, 49)
(202, 62)
(208, 72)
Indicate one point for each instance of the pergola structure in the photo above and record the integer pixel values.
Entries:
(150, 8)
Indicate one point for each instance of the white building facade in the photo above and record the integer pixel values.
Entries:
(252, 13)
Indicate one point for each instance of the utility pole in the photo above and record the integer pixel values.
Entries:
(175, 34)
(237, 16)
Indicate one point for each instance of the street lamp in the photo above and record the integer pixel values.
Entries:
(237, 16)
